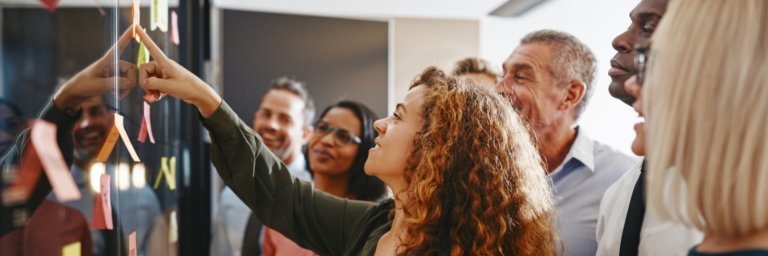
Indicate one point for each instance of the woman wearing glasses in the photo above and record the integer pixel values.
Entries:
(466, 177)
(336, 154)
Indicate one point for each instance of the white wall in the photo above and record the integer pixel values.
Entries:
(419, 43)
(594, 22)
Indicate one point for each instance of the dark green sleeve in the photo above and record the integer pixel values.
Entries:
(313, 219)
(64, 123)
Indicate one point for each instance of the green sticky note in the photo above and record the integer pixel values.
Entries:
(143, 55)
(159, 15)
(72, 249)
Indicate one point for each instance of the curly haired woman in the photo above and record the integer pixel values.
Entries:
(467, 179)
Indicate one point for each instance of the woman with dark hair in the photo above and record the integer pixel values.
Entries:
(336, 153)
(338, 150)
(466, 177)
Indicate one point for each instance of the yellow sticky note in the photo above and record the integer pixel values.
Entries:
(169, 172)
(143, 55)
(159, 15)
(72, 249)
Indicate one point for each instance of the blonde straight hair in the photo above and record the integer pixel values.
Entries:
(707, 110)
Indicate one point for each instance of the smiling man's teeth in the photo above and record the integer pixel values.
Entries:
(376, 146)
(269, 137)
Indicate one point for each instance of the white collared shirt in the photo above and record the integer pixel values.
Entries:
(579, 184)
(232, 217)
(657, 238)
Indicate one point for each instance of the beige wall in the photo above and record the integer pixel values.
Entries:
(418, 43)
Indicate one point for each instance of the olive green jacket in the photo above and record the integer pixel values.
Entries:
(323, 223)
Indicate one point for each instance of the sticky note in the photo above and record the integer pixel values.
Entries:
(72, 249)
(26, 178)
(146, 126)
(132, 244)
(173, 231)
(159, 15)
(170, 173)
(102, 212)
(43, 137)
(126, 139)
(101, 10)
(108, 145)
(136, 14)
(50, 5)
(143, 55)
(118, 130)
(174, 28)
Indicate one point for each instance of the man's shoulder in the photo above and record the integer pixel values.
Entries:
(608, 156)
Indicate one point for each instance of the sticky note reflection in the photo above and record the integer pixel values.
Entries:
(174, 28)
(146, 126)
(72, 249)
(102, 212)
(118, 130)
(50, 5)
(143, 55)
(132, 244)
(26, 178)
(170, 173)
(159, 15)
(136, 14)
(43, 138)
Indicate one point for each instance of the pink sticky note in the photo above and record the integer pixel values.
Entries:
(50, 4)
(98, 5)
(146, 126)
(132, 244)
(43, 138)
(124, 136)
(102, 213)
(174, 28)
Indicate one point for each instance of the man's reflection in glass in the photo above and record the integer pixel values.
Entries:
(11, 124)
(137, 208)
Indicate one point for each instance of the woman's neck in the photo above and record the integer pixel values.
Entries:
(336, 185)
(716, 243)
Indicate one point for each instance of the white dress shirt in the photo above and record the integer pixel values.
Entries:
(232, 217)
(579, 184)
(657, 238)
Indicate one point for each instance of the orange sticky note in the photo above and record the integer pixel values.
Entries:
(109, 144)
(174, 28)
(117, 131)
(146, 126)
(124, 135)
(102, 212)
(132, 244)
(135, 12)
(26, 178)
(43, 137)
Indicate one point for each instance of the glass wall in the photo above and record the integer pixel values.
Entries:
(143, 196)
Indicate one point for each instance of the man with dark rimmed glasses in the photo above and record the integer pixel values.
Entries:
(625, 226)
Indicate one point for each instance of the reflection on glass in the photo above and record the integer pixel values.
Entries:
(97, 169)
(139, 174)
(122, 176)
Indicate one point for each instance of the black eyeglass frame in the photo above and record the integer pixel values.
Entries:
(641, 59)
(335, 131)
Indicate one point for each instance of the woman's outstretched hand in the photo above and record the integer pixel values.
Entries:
(99, 78)
(165, 76)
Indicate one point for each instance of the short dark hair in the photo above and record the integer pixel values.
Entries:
(361, 185)
(475, 65)
(299, 88)
(573, 60)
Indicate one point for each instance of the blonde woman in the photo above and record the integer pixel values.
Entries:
(707, 124)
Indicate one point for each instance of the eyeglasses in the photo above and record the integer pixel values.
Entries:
(341, 137)
(641, 58)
